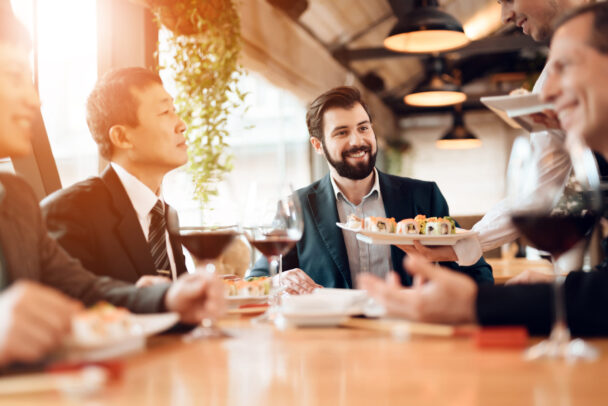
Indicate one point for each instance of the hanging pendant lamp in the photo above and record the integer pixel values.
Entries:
(459, 136)
(426, 29)
(440, 89)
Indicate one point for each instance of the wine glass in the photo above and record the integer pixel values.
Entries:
(555, 214)
(274, 225)
(205, 243)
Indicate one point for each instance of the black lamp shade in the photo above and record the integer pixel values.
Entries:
(438, 90)
(458, 137)
(424, 30)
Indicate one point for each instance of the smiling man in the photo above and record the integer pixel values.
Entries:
(115, 224)
(578, 85)
(341, 130)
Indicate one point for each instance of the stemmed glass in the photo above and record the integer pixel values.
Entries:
(554, 218)
(205, 244)
(274, 225)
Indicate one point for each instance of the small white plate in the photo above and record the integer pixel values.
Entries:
(235, 302)
(321, 319)
(144, 325)
(255, 309)
(382, 238)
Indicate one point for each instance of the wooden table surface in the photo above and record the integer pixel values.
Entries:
(260, 365)
(505, 269)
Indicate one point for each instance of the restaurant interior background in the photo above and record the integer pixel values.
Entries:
(310, 46)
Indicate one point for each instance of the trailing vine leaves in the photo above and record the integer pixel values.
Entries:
(205, 45)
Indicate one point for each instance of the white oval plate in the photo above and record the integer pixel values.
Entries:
(381, 238)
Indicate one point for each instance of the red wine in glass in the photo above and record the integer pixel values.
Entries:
(554, 233)
(206, 244)
(272, 246)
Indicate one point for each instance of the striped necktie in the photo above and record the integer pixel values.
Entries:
(156, 237)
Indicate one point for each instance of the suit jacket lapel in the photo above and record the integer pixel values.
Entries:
(322, 205)
(128, 228)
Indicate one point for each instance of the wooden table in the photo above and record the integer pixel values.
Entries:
(505, 269)
(260, 365)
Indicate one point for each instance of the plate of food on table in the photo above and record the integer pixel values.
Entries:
(388, 231)
(105, 331)
(246, 296)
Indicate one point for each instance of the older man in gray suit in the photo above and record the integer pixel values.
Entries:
(35, 315)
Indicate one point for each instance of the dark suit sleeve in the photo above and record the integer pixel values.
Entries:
(290, 261)
(66, 274)
(68, 225)
(532, 305)
(480, 271)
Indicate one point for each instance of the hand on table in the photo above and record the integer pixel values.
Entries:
(444, 296)
(196, 296)
(434, 254)
(34, 321)
(297, 282)
(149, 280)
(529, 277)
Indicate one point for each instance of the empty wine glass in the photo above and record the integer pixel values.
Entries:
(554, 214)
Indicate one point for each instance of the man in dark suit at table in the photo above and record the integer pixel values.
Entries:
(36, 273)
(115, 224)
(341, 130)
(577, 85)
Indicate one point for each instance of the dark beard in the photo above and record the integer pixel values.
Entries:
(346, 170)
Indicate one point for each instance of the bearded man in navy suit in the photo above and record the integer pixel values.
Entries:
(340, 128)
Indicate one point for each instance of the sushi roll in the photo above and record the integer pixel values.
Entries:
(445, 227)
(433, 226)
(408, 226)
(230, 288)
(380, 224)
(421, 221)
(452, 224)
(354, 222)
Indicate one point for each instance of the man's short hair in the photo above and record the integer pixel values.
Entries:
(344, 97)
(598, 36)
(112, 102)
(11, 29)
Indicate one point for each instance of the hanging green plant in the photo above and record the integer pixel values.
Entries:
(205, 43)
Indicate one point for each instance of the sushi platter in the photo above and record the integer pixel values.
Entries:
(386, 231)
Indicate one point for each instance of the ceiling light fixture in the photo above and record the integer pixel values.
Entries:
(438, 90)
(459, 136)
(426, 29)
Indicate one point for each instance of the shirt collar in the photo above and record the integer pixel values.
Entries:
(338, 191)
(142, 197)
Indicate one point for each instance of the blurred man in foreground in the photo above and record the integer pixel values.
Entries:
(534, 17)
(35, 318)
(578, 86)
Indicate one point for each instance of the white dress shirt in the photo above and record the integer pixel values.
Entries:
(143, 200)
(363, 257)
(495, 228)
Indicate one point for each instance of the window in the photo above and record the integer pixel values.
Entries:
(268, 141)
(67, 70)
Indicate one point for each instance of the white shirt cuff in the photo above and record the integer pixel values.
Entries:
(468, 251)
